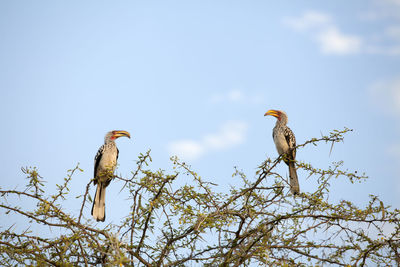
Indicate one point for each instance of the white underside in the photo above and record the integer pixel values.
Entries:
(281, 144)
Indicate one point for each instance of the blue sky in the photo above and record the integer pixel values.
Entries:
(194, 78)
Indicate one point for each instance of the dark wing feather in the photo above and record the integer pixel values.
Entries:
(97, 159)
(291, 140)
(117, 153)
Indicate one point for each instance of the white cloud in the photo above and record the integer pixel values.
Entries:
(387, 43)
(394, 151)
(323, 30)
(393, 32)
(393, 2)
(386, 95)
(235, 96)
(382, 9)
(332, 41)
(309, 20)
(383, 50)
(230, 134)
(188, 149)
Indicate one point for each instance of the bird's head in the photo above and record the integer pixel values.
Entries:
(112, 135)
(279, 114)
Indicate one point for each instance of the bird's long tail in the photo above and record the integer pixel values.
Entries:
(99, 203)
(294, 181)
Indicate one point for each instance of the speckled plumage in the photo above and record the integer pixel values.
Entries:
(285, 143)
(105, 163)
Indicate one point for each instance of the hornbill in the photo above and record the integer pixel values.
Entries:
(285, 143)
(105, 162)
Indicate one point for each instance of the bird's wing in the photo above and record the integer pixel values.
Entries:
(117, 152)
(97, 159)
(291, 140)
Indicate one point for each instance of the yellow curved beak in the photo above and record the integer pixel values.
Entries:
(272, 112)
(122, 133)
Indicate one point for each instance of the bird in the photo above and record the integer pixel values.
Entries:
(285, 143)
(105, 162)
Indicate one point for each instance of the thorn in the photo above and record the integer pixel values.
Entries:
(330, 152)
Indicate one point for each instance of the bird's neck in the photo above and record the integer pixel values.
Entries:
(280, 123)
(109, 142)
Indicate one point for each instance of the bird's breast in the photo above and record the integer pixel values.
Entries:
(281, 144)
(107, 163)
